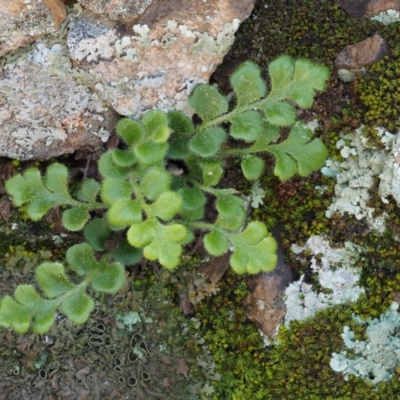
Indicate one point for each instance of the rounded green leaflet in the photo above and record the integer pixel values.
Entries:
(18, 188)
(52, 279)
(239, 261)
(88, 191)
(81, 258)
(252, 167)
(12, 313)
(279, 113)
(123, 158)
(215, 243)
(78, 307)
(154, 121)
(167, 205)
(56, 178)
(133, 132)
(180, 123)
(75, 218)
(150, 153)
(254, 233)
(127, 254)
(263, 256)
(43, 321)
(212, 171)
(26, 294)
(246, 126)
(123, 213)
(156, 181)
(36, 208)
(248, 84)
(96, 232)
(207, 102)
(231, 212)
(108, 168)
(110, 277)
(176, 232)
(139, 235)
(113, 190)
(193, 202)
(207, 142)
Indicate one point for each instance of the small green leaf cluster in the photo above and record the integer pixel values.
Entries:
(29, 308)
(150, 210)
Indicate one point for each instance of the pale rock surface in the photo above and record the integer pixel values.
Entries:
(160, 59)
(23, 21)
(44, 112)
(124, 57)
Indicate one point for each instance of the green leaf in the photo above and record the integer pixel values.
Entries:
(248, 84)
(296, 80)
(52, 279)
(123, 158)
(81, 259)
(254, 250)
(56, 179)
(252, 167)
(96, 232)
(88, 191)
(178, 146)
(110, 277)
(108, 168)
(18, 188)
(180, 124)
(165, 247)
(215, 243)
(254, 233)
(126, 254)
(139, 235)
(12, 313)
(246, 126)
(193, 202)
(167, 205)
(113, 190)
(26, 294)
(78, 307)
(231, 212)
(253, 259)
(279, 113)
(155, 182)
(156, 122)
(149, 153)
(36, 208)
(124, 213)
(207, 102)
(75, 218)
(212, 171)
(133, 132)
(44, 320)
(207, 142)
(297, 152)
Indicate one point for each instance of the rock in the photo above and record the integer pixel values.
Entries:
(265, 304)
(366, 52)
(120, 10)
(367, 8)
(23, 21)
(127, 57)
(157, 61)
(44, 112)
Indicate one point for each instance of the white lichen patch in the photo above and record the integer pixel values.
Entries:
(355, 178)
(337, 278)
(390, 176)
(387, 17)
(375, 358)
